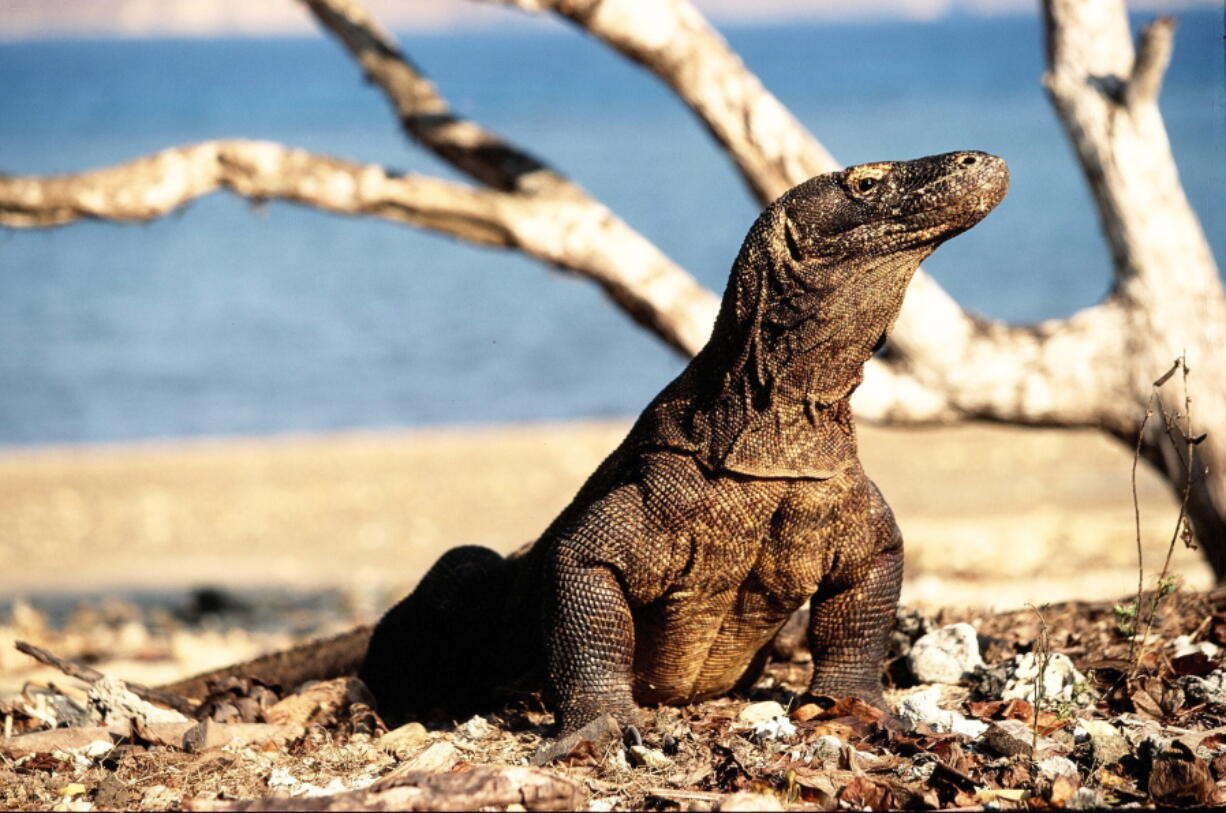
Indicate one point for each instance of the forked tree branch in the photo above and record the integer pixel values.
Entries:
(425, 114)
(672, 39)
(946, 365)
(655, 291)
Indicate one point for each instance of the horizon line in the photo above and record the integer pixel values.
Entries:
(484, 19)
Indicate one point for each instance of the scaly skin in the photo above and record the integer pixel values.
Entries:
(736, 497)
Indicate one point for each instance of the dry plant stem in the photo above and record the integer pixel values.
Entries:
(1189, 444)
(1043, 656)
(1170, 424)
(1136, 510)
(89, 675)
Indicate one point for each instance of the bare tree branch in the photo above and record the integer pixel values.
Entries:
(672, 39)
(577, 235)
(1153, 57)
(156, 185)
(566, 227)
(946, 365)
(1166, 282)
(425, 115)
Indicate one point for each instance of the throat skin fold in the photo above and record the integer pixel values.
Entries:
(779, 407)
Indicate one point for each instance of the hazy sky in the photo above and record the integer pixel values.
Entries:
(32, 18)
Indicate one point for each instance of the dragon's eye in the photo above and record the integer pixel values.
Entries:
(865, 182)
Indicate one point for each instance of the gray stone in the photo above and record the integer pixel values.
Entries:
(921, 707)
(1210, 689)
(1085, 799)
(1056, 767)
(404, 741)
(112, 703)
(1107, 745)
(945, 655)
(1012, 737)
(827, 750)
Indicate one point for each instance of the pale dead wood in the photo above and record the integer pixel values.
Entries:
(577, 235)
(671, 38)
(480, 788)
(172, 734)
(945, 364)
(91, 675)
(588, 238)
(425, 114)
(1167, 290)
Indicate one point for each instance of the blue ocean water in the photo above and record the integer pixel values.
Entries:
(228, 319)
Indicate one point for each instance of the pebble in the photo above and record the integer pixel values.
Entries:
(1057, 766)
(1085, 799)
(747, 801)
(756, 713)
(475, 728)
(1208, 689)
(403, 742)
(921, 707)
(1012, 737)
(827, 750)
(112, 703)
(650, 758)
(945, 655)
(1107, 745)
(1061, 680)
(776, 728)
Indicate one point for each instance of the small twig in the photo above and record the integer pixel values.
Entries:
(90, 675)
(1136, 510)
(1170, 423)
(1043, 658)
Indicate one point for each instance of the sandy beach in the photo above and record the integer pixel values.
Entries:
(991, 515)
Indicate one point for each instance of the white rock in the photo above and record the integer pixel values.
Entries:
(945, 655)
(1062, 683)
(475, 728)
(650, 758)
(750, 802)
(756, 713)
(113, 703)
(776, 728)
(1183, 646)
(921, 707)
(1106, 743)
(1055, 767)
(827, 749)
(1085, 799)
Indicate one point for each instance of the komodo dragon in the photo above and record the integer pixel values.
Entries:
(736, 497)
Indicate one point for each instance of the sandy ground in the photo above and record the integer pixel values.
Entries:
(991, 515)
